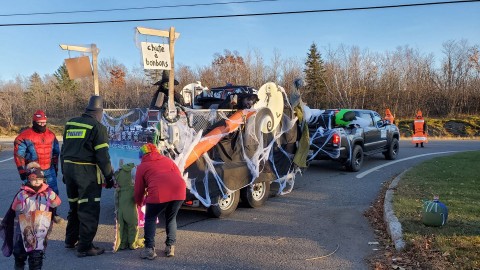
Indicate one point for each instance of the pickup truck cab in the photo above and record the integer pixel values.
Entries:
(367, 134)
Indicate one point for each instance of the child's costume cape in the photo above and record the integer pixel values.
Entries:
(6, 232)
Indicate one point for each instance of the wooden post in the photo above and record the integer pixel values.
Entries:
(95, 68)
(94, 51)
(172, 36)
(172, 112)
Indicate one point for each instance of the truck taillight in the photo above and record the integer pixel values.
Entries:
(336, 139)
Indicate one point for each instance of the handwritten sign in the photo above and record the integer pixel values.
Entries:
(156, 56)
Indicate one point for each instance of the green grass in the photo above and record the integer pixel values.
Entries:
(465, 126)
(456, 179)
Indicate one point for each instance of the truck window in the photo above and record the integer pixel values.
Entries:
(367, 117)
(376, 117)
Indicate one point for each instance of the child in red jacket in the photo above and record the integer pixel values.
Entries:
(158, 177)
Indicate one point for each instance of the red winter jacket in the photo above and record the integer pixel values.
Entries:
(40, 147)
(159, 178)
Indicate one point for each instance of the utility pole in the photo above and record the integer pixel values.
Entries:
(94, 51)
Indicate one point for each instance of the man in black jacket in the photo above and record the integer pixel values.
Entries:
(84, 157)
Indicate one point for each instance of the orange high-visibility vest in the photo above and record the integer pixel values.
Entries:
(419, 135)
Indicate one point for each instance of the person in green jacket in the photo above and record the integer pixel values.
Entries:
(126, 211)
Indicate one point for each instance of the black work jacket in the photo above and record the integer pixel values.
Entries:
(85, 140)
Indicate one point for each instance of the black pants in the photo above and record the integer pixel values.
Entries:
(35, 257)
(153, 210)
(84, 194)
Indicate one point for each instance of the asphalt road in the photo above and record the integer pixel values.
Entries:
(319, 225)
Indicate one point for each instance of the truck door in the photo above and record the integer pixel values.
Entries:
(372, 133)
(380, 133)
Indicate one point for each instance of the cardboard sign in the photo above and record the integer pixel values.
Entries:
(79, 67)
(156, 56)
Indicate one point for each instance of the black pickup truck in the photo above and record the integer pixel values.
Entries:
(367, 134)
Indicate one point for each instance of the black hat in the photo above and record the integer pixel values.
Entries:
(95, 103)
(165, 77)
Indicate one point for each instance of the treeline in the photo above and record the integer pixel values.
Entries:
(403, 80)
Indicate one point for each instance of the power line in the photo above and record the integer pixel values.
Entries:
(133, 8)
(242, 15)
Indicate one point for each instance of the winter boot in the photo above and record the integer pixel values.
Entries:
(170, 251)
(148, 253)
(93, 251)
(20, 262)
(35, 260)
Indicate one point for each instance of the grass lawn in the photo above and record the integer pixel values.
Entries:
(456, 180)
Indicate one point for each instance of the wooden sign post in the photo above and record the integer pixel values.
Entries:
(172, 36)
(94, 51)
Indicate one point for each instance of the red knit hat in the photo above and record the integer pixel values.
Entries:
(39, 115)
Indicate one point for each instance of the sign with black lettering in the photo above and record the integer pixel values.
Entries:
(156, 56)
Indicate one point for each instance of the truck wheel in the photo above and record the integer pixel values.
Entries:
(255, 196)
(355, 163)
(392, 152)
(224, 207)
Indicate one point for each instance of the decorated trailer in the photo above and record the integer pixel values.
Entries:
(225, 155)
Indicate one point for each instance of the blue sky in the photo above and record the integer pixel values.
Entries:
(28, 49)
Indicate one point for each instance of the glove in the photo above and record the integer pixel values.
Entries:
(110, 181)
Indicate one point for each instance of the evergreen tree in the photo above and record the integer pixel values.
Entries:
(64, 83)
(315, 89)
(35, 94)
(67, 92)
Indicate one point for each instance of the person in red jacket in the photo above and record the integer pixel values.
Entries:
(38, 144)
(160, 185)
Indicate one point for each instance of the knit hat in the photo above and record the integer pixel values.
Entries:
(39, 115)
(34, 171)
(147, 149)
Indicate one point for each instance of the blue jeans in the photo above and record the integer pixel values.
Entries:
(51, 178)
(152, 211)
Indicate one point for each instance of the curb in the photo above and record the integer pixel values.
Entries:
(394, 227)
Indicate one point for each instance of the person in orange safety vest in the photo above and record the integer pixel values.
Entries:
(389, 116)
(419, 130)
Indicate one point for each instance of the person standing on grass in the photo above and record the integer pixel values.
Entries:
(158, 184)
(38, 144)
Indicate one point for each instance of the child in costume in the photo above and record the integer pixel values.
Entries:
(33, 205)
(126, 211)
